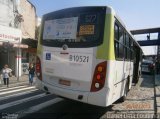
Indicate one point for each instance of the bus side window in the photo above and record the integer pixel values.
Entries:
(119, 40)
(131, 47)
(121, 51)
(130, 51)
(127, 48)
(116, 37)
(116, 32)
(134, 52)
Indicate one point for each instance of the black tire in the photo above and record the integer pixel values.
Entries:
(126, 90)
(137, 79)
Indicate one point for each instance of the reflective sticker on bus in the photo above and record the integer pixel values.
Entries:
(48, 56)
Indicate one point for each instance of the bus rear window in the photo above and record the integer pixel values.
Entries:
(75, 27)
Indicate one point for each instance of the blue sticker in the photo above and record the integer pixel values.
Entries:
(48, 56)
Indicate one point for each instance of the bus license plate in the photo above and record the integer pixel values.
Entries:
(64, 82)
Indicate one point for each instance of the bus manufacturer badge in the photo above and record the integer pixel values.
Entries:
(64, 47)
(48, 56)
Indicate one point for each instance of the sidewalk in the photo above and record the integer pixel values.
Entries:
(14, 80)
(157, 86)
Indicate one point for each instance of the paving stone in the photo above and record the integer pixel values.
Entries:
(140, 99)
(157, 86)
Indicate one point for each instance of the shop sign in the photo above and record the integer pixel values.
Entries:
(8, 34)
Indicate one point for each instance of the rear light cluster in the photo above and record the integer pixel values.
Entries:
(99, 77)
(38, 68)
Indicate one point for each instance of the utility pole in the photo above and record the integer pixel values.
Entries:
(18, 56)
(8, 52)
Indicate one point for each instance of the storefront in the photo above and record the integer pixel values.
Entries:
(29, 54)
(11, 49)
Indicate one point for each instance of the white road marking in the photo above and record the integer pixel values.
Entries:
(17, 94)
(14, 84)
(12, 91)
(5, 89)
(38, 107)
(21, 101)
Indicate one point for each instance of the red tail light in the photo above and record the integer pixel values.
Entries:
(99, 77)
(38, 68)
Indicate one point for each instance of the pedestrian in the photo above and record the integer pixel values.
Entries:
(31, 73)
(6, 72)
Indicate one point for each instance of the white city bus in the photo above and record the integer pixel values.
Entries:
(86, 54)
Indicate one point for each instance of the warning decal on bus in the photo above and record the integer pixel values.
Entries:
(86, 30)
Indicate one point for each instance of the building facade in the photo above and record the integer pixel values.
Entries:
(17, 22)
(28, 11)
(28, 28)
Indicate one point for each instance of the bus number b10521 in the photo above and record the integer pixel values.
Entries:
(77, 58)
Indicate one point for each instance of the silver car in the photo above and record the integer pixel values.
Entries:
(147, 66)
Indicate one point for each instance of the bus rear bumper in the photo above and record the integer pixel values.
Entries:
(94, 98)
(66, 93)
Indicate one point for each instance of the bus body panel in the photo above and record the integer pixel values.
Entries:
(67, 93)
(123, 71)
(60, 67)
(78, 74)
(106, 50)
(99, 98)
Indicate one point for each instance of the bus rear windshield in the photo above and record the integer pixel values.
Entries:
(75, 27)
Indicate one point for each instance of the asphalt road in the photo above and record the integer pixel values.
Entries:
(27, 102)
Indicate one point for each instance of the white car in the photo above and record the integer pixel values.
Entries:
(147, 66)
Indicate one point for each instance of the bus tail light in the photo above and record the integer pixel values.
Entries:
(99, 77)
(38, 68)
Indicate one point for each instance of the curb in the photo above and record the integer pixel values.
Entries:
(13, 80)
(157, 94)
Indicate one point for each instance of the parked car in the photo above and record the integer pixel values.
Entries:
(147, 66)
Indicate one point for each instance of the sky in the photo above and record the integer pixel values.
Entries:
(136, 14)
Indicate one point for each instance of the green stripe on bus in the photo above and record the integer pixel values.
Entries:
(106, 50)
(39, 47)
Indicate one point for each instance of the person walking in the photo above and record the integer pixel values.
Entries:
(31, 73)
(5, 74)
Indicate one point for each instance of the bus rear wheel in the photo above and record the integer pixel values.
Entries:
(126, 90)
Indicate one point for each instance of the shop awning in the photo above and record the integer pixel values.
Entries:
(20, 46)
(30, 42)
